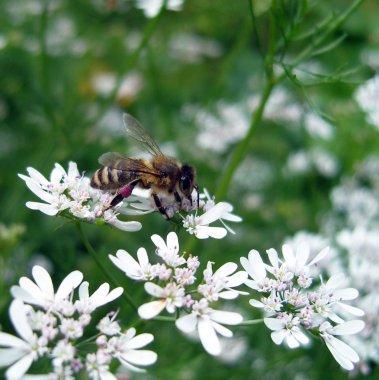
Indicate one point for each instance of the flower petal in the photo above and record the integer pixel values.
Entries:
(151, 309)
(349, 327)
(140, 357)
(140, 341)
(208, 337)
(226, 317)
(70, 283)
(17, 314)
(187, 323)
(19, 368)
(43, 280)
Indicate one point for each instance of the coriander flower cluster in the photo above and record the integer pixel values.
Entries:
(70, 194)
(51, 326)
(298, 305)
(173, 283)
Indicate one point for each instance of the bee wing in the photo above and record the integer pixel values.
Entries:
(117, 161)
(137, 132)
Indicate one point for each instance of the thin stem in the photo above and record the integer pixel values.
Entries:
(100, 265)
(251, 322)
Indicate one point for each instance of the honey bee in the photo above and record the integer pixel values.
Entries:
(165, 176)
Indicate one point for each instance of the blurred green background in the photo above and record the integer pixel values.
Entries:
(180, 74)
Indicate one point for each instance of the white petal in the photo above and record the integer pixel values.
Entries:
(274, 323)
(83, 291)
(187, 323)
(237, 279)
(153, 289)
(43, 280)
(203, 232)
(143, 258)
(299, 335)
(348, 328)
(226, 317)
(70, 283)
(140, 341)
(336, 281)
(113, 294)
(301, 256)
(37, 176)
(151, 309)
(208, 337)
(226, 269)
(222, 330)
(278, 336)
(19, 368)
(57, 174)
(125, 226)
(172, 241)
(17, 313)
(290, 340)
(36, 189)
(343, 353)
(257, 268)
(289, 256)
(159, 242)
(273, 257)
(256, 303)
(101, 292)
(352, 310)
(126, 263)
(320, 256)
(10, 355)
(140, 357)
(8, 340)
(46, 208)
(24, 295)
(229, 294)
(213, 214)
(107, 376)
(346, 294)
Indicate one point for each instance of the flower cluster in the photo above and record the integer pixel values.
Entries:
(70, 194)
(50, 325)
(296, 305)
(179, 292)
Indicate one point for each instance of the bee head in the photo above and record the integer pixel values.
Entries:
(187, 180)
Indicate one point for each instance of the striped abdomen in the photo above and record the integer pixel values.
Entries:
(107, 178)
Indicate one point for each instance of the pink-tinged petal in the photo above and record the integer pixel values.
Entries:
(226, 269)
(349, 327)
(159, 242)
(289, 256)
(8, 340)
(83, 291)
(10, 355)
(188, 323)
(274, 323)
(346, 294)
(70, 283)
(45, 208)
(43, 280)
(19, 368)
(113, 294)
(208, 337)
(37, 176)
(151, 309)
(172, 241)
(153, 289)
(273, 257)
(352, 310)
(291, 341)
(226, 317)
(236, 279)
(143, 258)
(278, 336)
(320, 256)
(256, 303)
(301, 255)
(17, 314)
(258, 270)
(140, 341)
(24, 295)
(140, 357)
(222, 330)
(203, 232)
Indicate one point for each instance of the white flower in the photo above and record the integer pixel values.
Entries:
(367, 97)
(168, 251)
(87, 304)
(41, 292)
(152, 7)
(97, 366)
(140, 270)
(129, 353)
(208, 323)
(343, 353)
(286, 329)
(21, 352)
(199, 225)
(172, 296)
(255, 268)
(220, 284)
(108, 325)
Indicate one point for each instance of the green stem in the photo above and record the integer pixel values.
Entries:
(251, 322)
(100, 265)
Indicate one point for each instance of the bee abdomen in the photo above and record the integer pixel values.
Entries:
(107, 178)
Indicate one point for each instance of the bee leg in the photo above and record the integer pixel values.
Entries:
(123, 193)
(178, 198)
(158, 203)
(198, 195)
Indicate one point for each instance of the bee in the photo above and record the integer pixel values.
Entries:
(165, 176)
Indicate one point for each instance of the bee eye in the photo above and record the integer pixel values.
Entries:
(185, 183)
(164, 175)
